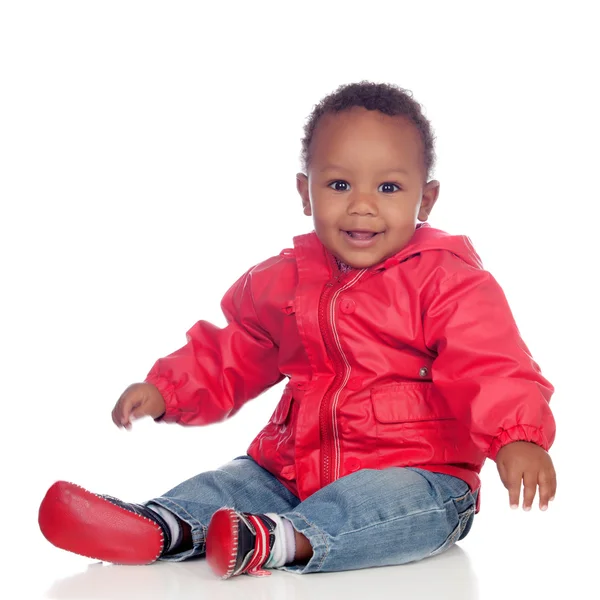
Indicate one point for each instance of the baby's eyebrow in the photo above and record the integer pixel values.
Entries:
(391, 171)
(400, 171)
(332, 168)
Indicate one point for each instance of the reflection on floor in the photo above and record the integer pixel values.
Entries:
(445, 577)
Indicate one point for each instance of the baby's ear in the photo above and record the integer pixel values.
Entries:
(302, 187)
(430, 196)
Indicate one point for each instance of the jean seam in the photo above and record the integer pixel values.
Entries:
(449, 541)
(461, 498)
(434, 487)
(399, 518)
(320, 533)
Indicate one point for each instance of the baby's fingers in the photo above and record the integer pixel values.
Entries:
(129, 407)
(513, 485)
(547, 483)
(122, 410)
(529, 489)
(117, 414)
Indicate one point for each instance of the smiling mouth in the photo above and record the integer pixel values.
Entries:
(361, 234)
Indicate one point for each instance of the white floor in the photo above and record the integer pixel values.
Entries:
(479, 572)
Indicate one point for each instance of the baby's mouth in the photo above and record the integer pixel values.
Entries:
(361, 235)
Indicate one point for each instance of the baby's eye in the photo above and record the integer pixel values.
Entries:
(388, 187)
(339, 185)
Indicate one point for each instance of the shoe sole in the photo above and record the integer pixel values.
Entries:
(76, 520)
(222, 542)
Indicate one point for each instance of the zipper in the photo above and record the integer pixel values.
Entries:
(328, 425)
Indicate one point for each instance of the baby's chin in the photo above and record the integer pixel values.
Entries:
(359, 262)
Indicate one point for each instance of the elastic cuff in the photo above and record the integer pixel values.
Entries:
(519, 433)
(168, 393)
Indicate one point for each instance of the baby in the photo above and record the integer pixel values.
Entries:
(404, 371)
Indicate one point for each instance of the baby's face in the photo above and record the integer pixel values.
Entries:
(366, 185)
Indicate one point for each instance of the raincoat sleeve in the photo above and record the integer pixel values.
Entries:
(483, 368)
(219, 369)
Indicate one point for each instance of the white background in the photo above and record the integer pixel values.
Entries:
(148, 153)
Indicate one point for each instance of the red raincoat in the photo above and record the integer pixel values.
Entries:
(414, 362)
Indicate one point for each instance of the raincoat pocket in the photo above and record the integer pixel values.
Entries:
(413, 426)
(408, 402)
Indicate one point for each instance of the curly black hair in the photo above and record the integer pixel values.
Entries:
(387, 98)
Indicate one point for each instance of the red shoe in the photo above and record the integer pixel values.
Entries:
(239, 543)
(101, 527)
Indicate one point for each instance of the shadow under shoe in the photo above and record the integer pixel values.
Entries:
(101, 527)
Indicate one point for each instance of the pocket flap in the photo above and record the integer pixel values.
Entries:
(408, 402)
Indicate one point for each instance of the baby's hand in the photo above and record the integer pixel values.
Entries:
(531, 464)
(138, 400)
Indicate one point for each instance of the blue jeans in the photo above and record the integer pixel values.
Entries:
(367, 519)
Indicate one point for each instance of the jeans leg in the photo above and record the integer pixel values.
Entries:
(241, 484)
(376, 518)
